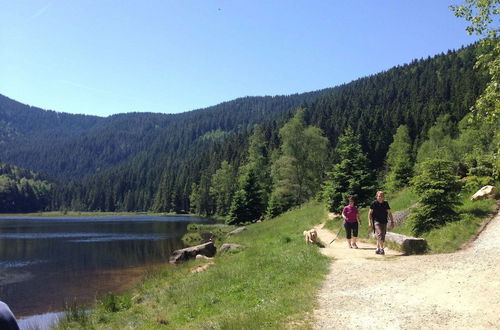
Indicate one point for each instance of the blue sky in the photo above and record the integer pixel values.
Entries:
(104, 57)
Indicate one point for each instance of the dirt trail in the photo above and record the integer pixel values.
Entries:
(447, 291)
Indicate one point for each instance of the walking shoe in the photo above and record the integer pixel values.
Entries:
(377, 251)
(354, 245)
(350, 246)
(382, 251)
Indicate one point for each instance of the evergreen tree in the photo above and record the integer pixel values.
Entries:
(222, 188)
(351, 176)
(438, 189)
(399, 160)
(247, 205)
(194, 199)
(258, 161)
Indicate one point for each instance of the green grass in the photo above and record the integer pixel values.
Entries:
(270, 283)
(200, 233)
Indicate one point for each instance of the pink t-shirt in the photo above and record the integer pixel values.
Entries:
(351, 213)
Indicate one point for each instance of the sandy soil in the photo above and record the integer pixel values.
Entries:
(447, 291)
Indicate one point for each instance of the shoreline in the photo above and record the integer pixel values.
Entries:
(76, 214)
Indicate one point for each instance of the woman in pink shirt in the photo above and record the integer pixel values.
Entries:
(350, 214)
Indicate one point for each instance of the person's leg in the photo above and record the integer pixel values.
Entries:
(355, 228)
(348, 232)
(383, 231)
(378, 233)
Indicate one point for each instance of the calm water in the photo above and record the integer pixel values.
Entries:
(45, 262)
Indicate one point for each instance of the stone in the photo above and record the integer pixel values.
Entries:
(485, 192)
(178, 256)
(227, 247)
(409, 245)
(237, 231)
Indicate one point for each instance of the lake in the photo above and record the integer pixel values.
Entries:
(45, 262)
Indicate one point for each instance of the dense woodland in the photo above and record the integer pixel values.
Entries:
(251, 157)
(22, 190)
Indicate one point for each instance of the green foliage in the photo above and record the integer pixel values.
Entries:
(275, 206)
(22, 190)
(474, 183)
(483, 18)
(258, 161)
(298, 171)
(438, 190)
(200, 233)
(439, 143)
(248, 204)
(113, 303)
(480, 14)
(399, 160)
(350, 177)
(222, 188)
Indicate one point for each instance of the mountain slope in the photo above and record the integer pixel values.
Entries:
(414, 94)
(74, 146)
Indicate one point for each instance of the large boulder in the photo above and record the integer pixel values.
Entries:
(485, 192)
(208, 249)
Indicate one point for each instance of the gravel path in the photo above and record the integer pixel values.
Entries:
(447, 291)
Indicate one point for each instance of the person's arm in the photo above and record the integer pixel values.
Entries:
(343, 215)
(358, 218)
(370, 221)
(391, 219)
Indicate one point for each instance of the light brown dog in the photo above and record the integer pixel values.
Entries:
(311, 236)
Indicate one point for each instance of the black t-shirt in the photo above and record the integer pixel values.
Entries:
(379, 213)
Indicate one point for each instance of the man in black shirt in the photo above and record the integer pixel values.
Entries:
(378, 216)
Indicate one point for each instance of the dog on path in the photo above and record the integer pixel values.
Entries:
(311, 236)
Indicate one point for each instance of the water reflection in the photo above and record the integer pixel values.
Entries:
(46, 261)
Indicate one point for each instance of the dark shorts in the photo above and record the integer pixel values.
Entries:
(351, 228)
(380, 230)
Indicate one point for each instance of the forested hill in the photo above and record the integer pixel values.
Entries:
(73, 146)
(179, 168)
(415, 94)
(145, 161)
(22, 123)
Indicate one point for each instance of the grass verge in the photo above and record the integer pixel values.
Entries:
(267, 284)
